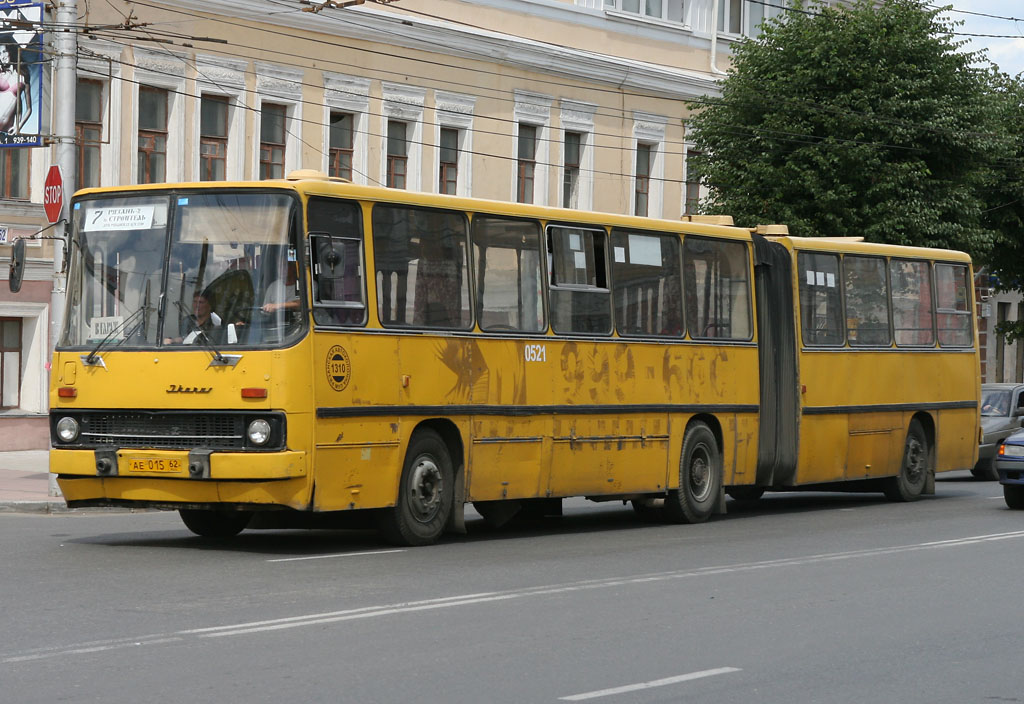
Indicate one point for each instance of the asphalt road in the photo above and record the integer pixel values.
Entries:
(801, 598)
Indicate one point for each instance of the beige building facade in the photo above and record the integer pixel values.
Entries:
(574, 103)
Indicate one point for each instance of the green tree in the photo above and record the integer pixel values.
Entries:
(863, 120)
(1005, 213)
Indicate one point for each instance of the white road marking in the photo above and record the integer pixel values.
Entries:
(488, 597)
(340, 554)
(649, 685)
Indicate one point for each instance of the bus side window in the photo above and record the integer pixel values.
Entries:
(821, 313)
(866, 291)
(580, 300)
(953, 312)
(647, 284)
(422, 252)
(912, 308)
(509, 281)
(717, 289)
(336, 244)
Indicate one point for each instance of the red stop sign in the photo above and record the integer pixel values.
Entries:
(53, 194)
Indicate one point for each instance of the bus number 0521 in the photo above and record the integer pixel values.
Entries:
(536, 353)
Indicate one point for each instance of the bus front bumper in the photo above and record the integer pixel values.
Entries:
(180, 478)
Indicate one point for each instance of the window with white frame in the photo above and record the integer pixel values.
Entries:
(532, 118)
(668, 10)
(397, 154)
(14, 172)
(278, 150)
(346, 106)
(648, 164)
(213, 137)
(745, 16)
(158, 94)
(273, 145)
(220, 119)
(89, 110)
(577, 122)
(454, 140)
(693, 190)
(152, 117)
(402, 109)
(10, 362)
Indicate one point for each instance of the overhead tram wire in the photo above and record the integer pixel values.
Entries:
(618, 115)
(698, 101)
(796, 138)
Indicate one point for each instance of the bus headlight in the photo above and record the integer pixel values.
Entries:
(67, 429)
(259, 432)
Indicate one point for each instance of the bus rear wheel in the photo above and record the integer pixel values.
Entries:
(215, 523)
(700, 477)
(910, 482)
(425, 493)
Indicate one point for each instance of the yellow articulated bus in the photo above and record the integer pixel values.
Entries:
(307, 348)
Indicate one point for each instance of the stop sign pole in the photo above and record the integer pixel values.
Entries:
(53, 194)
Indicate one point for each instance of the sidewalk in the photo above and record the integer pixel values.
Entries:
(25, 483)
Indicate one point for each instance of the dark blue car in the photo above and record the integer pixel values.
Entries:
(1009, 462)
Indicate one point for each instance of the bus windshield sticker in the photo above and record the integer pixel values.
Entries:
(581, 260)
(339, 369)
(620, 255)
(136, 217)
(645, 250)
(101, 327)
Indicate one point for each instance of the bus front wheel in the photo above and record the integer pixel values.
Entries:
(425, 493)
(212, 523)
(700, 477)
(913, 475)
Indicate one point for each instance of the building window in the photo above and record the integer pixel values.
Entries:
(571, 180)
(746, 16)
(448, 179)
(693, 191)
(88, 131)
(398, 154)
(643, 179)
(527, 163)
(152, 135)
(645, 8)
(10, 362)
(213, 138)
(272, 139)
(14, 163)
(341, 148)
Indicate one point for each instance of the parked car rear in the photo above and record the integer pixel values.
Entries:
(1002, 408)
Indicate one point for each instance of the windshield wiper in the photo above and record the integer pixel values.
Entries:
(219, 358)
(92, 359)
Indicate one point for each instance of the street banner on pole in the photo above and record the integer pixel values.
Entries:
(21, 73)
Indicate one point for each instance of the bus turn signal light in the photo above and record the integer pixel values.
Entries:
(67, 392)
(254, 392)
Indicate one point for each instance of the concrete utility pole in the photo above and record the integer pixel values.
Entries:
(63, 101)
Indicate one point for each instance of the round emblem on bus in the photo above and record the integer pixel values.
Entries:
(339, 369)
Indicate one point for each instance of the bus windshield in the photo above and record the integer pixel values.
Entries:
(212, 269)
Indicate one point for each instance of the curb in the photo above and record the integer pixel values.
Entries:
(56, 506)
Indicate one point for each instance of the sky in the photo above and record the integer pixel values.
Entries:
(1007, 53)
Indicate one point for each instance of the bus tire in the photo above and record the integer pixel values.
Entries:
(913, 475)
(700, 477)
(1013, 494)
(425, 493)
(745, 494)
(215, 523)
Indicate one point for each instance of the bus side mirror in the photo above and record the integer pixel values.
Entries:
(17, 271)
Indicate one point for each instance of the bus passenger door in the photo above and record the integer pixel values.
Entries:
(776, 333)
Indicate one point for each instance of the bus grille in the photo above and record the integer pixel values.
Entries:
(163, 431)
